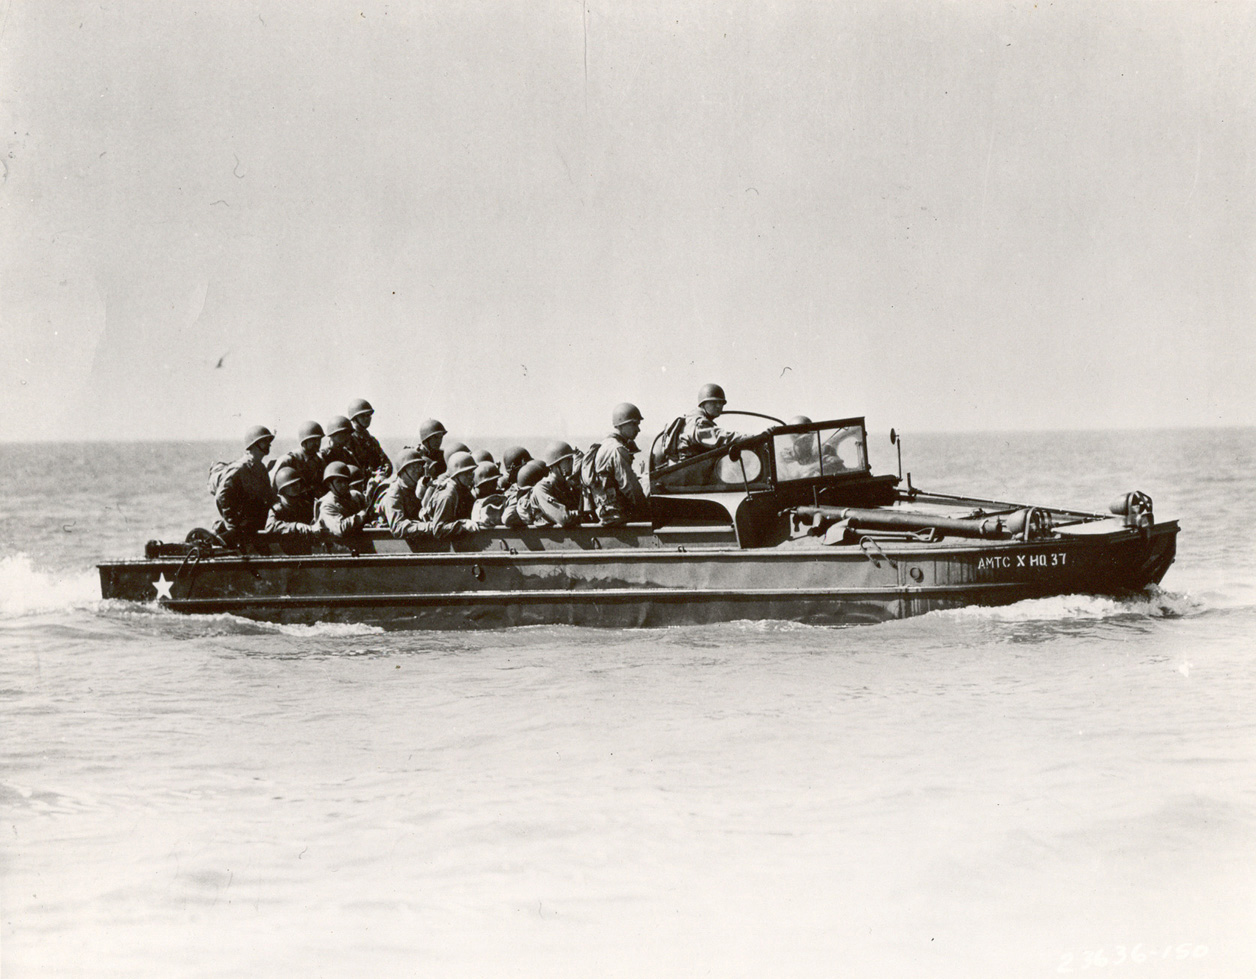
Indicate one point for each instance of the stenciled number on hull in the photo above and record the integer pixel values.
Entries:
(996, 562)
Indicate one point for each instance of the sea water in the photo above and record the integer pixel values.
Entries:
(1061, 786)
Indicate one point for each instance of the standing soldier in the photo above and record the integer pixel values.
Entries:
(431, 433)
(307, 461)
(696, 432)
(244, 494)
(366, 448)
(616, 491)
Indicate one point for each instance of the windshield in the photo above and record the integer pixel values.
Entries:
(819, 453)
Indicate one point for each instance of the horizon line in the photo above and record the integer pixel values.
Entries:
(521, 438)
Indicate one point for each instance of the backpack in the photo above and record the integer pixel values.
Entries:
(666, 445)
(585, 466)
(217, 473)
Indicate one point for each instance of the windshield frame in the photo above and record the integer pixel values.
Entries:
(779, 479)
(762, 444)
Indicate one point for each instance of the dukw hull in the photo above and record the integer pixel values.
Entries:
(638, 577)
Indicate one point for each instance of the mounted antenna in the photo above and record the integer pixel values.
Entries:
(896, 441)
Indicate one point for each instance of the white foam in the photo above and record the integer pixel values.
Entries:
(1154, 604)
(227, 624)
(332, 629)
(26, 591)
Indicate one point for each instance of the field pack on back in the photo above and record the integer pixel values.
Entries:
(217, 473)
(587, 469)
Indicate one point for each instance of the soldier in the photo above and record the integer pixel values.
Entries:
(512, 460)
(454, 447)
(244, 493)
(340, 439)
(483, 455)
(554, 499)
(517, 510)
(696, 432)
(452, 500)
(400, 504)
(527, 507)
(431, 433)
(796, 456)
(292, 515)
(487, 510)
(337, 511)
(307, 461)
(365, 446)
(361, 490)
(616, 491)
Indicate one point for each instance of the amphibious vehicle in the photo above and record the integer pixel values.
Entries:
(790, 523)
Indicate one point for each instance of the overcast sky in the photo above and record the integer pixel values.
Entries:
(945, 216)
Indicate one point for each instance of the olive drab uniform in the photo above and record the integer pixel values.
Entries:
(487, 511)
(369, 453)
(309, 466)
(511, 517)
(340, 516)
(292, 520)
(698, 434)
(553, 501)
(401, 508)
(244, 499)
(290, 509)
(526, 508)
(450, 501)
(337, 453)
(434, 465)
(617, 493)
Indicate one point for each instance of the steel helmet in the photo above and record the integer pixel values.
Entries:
(336, 470)
(556, 452)
(485, 472)
(459, 463)
(355, 474)
(514, 457)
(453, 448)
(532, 473)
(799, 420)
(309, 430)
(429, 428)
(409, 457)
(286, 477)
(360, 407)
(625, 413)
(339, 424)
(711, 392)
(483, 455)
(258, 433)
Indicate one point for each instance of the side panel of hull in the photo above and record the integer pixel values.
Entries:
(645, 587)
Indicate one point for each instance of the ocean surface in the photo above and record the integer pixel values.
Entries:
(1062, 786)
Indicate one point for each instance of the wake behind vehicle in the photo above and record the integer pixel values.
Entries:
(790, 524)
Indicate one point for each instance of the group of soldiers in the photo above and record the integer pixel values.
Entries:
(436, 491)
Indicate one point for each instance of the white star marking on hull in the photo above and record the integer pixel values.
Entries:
(163, 587)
